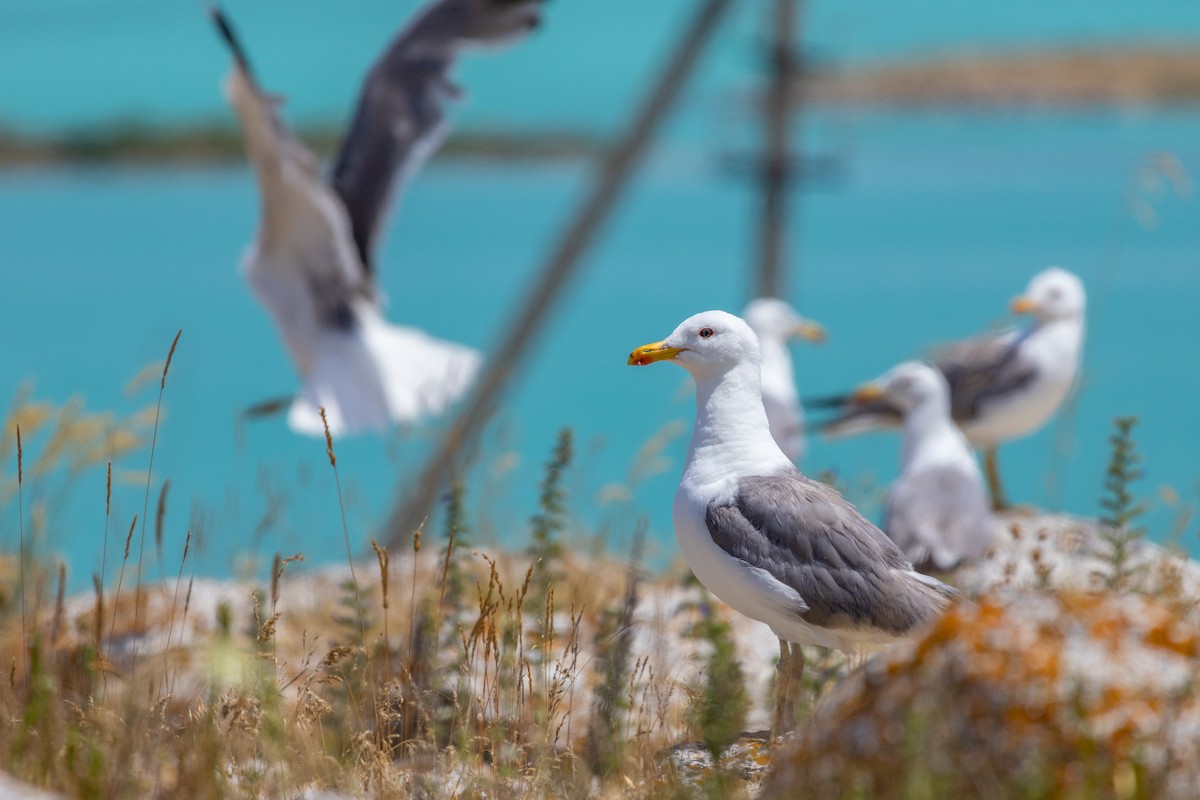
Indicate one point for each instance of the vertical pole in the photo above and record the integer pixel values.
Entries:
(611, 177)
(775, 168)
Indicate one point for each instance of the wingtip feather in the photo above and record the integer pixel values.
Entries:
(228, 35)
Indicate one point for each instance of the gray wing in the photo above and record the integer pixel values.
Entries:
(399, 121)
(304, 235)
(979, 370)
(939, 517)
(805, 534)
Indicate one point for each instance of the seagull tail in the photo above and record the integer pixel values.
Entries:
(379, 375)
(855, 417)
(943, 594)
(827, 401)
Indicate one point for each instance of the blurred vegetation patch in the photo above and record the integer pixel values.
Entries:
(1100, 76)
(137, 142)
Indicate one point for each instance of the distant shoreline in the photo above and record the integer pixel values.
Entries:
(1038, 80)
(214, 143)
(1050, 79)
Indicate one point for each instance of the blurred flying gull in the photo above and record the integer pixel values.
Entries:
(778, 547)
(937, 510)
(775, 322)
(1001, 387)
(312, 264)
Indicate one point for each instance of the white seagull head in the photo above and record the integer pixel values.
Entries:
(707, 344)
(772, 318)
(908, 386)
(1053, 294)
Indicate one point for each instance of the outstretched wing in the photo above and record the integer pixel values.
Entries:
(848, 573)
(400, 119)
(939, 517)
(304, 267)
(979, 370)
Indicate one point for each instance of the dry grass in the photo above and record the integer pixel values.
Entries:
(440, 671)
(283, 693)
(447, 672)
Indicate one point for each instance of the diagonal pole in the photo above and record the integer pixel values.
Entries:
(610, 181)
(776, 168)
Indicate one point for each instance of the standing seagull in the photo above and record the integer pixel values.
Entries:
(775, 322)
(1001, 387)
(937, 510)
(312, 264)
(778, 547)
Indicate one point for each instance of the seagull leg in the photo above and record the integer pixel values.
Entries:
(992, 468)
(783, 674)
(795, 684)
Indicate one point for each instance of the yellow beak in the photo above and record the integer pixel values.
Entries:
(866, 393)
(649, 353)
(810, 331)
(1022, 305)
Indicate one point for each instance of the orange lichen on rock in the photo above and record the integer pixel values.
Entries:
(1070, 694)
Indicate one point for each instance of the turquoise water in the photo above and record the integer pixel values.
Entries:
(76, 62)
(938, 220)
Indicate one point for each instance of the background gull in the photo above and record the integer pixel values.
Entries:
(775, 323)
(778, 547)
(1001, 387)
(312, 263)
(937, 510)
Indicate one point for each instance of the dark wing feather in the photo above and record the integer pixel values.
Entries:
(399, 120)
(978, 370)
(397, 125)
(229, 36)
(302, 229)
(809, 537)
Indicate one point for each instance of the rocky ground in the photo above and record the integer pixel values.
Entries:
(1070, 667)
(1058, 678)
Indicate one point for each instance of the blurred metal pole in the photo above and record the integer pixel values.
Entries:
(610, 180)
(776, 167)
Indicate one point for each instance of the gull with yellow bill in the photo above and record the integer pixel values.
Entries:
(773, 544)
(314, 261)
(1001, 387)
(937, 510)
(775, 323)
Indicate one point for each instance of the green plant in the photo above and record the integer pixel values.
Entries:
(606, 742)
(551, 519)
(456, 532)
(718, 713)
(1121, 509)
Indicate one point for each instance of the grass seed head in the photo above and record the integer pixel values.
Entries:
(328, 438)
(170, 355)
(129, 536)
(384, 558)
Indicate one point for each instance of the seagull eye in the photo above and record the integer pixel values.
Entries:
(706, 332)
